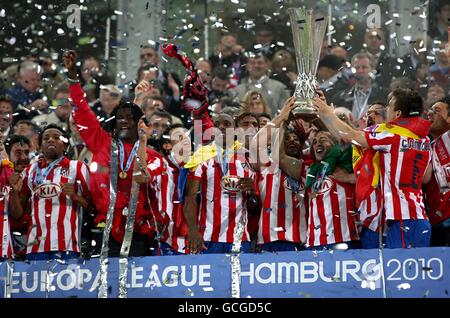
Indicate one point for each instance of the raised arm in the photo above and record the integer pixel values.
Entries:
(87, 123)
(337, 127)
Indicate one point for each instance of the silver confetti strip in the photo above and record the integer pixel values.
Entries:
(9, 275)
(235, 260)
(127, 238)
(103, 285)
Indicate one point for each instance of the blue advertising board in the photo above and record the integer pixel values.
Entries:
(421, 272)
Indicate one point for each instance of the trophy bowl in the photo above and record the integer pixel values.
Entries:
(308, 31)
(230, 183)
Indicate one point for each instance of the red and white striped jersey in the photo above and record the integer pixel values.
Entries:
(174, 234)
(55, 219)
(332, 214)
(403, 161)
(221, 211)
(283, 212)
(370, 211)
(5, 229)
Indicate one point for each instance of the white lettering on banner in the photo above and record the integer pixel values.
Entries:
(340, 271)
(75, 278)
(135, 276)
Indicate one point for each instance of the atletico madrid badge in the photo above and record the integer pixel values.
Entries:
(123, 175)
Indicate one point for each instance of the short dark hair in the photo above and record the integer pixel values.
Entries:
(14, 139)
(221, 73)
(5, 99)
(162, 114)
(378, 103)
(241, 116)
(409, 102)
(445, 100)
(145, 67)
(53, 126)
(34, 127)
(264, 115)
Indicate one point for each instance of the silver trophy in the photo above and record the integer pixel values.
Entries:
(308, 30)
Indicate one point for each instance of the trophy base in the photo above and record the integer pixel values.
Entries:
(305, 113)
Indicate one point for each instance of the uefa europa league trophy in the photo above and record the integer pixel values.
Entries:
(308, 30)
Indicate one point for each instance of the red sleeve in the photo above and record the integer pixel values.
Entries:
(88, 125)
(25, 189)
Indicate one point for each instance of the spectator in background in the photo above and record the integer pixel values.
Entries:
(265, 41)
(219, 84)
(435, 93)
(330, 77)
(442, 17)
(204, 70)
(417, 56)
(92, 77)
(26, 92)
(402, 82)
(374, 43)
(284, 69)
(340, 52)
(263, 119)
(62, 108)
(150, 61)
(440, 70)
(274, 92)
(31, 131)
(229, 54)
(109, 99)
(6, 117)
(254, 103)
(364, 92)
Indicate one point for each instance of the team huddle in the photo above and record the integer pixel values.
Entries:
(284, 184)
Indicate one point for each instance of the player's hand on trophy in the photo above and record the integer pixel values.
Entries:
(321, 106)
(288, 106)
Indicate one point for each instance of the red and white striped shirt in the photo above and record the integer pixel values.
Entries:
(5, 230)
(332, 214)
(370, 211)
(174, 234)
(403, 161)
(220, 211)
(283, 215)
(55, 219)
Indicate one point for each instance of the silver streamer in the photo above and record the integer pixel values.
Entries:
(8, 279)
(127, 238)
(103, 286)
(308, 30)
(235, 253)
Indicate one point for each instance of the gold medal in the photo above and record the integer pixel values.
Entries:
(123, 175)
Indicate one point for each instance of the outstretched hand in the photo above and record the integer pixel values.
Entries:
(70, 60)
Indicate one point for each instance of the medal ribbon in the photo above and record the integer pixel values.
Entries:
(130, 158)
(42, 176)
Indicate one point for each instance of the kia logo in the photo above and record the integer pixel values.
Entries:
(47, 190)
